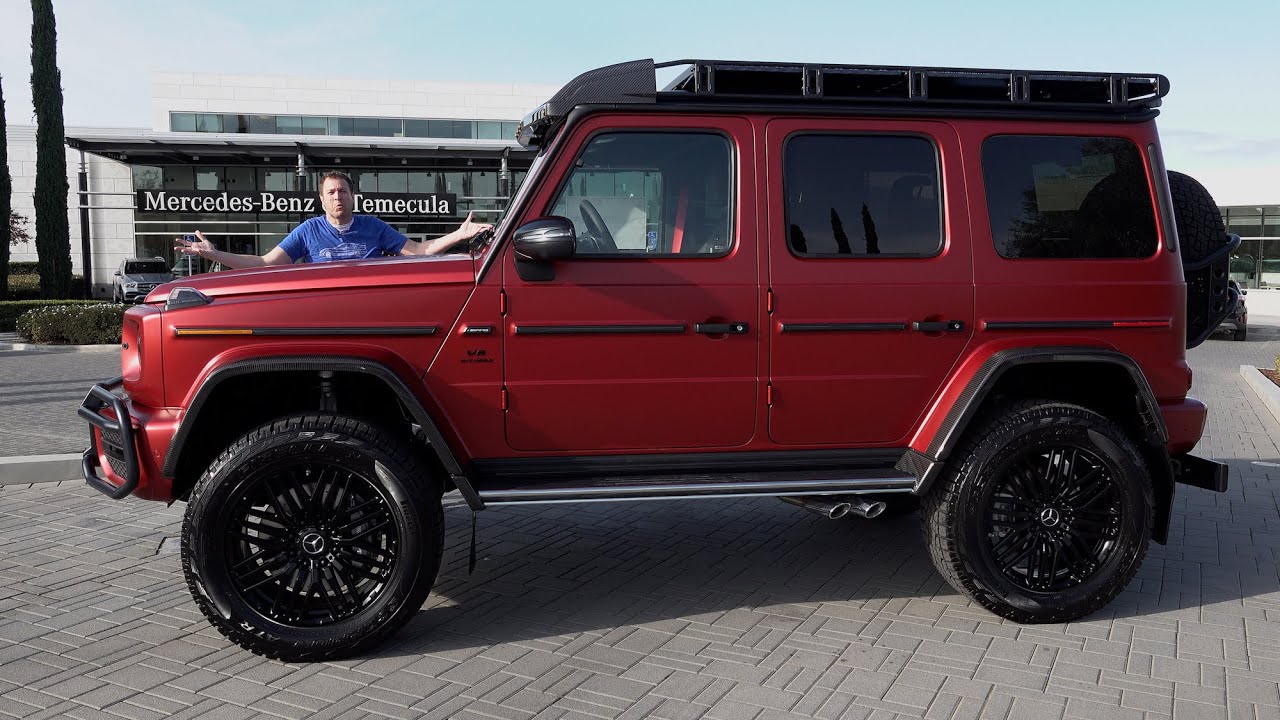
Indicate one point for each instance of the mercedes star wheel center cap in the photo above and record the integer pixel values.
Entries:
(313, 543)
(1049, 517)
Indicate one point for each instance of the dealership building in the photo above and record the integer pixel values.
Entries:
(238, 157)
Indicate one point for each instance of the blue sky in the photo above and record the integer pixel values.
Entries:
(1221, 122)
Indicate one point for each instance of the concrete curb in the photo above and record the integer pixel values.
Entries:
(1261, 384)
(39, 348)
(31, 469)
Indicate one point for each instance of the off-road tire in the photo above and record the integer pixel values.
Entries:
(960, 532)
(1200, 226)
(408, 500)
(1241, 333)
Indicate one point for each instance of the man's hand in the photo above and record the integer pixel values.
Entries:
(469, 228)
(200, 247)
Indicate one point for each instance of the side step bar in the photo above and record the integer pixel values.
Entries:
(699, 486)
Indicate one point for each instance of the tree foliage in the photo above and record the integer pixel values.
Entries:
(53, 234)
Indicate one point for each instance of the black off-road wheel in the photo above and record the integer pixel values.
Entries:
(312, 538)
(1043, 515)
(1241, 333)
(1200, 226)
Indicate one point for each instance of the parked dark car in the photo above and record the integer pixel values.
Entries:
(1238, 320)
(138, 276)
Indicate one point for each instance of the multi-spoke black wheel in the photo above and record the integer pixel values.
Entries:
(312, 538)
(1053, 517)
(1043, 515)
(310, 544)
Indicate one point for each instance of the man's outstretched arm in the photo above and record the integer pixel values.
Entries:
(203, 248)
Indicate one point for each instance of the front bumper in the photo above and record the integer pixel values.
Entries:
(110, 438)
(127, 442)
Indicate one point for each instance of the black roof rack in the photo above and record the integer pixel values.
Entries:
(723, 81)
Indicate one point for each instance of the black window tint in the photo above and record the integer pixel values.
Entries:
(850, 195)
(654, 193)
(1068, 197)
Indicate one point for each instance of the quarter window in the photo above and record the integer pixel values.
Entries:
(870, 196)
(644, 193)
(1068, 197)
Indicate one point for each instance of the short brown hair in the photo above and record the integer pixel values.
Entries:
(337, 175)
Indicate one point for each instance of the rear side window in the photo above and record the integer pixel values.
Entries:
(1068, 197)
(862, 195)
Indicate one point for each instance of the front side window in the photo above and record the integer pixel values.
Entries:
(1068, 197)
(862, 195)
(650, 193)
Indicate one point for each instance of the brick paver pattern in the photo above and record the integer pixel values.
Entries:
(741, 609)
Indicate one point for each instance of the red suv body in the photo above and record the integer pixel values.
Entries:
(821, 283)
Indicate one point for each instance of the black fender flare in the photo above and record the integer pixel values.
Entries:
(928, 465)
(294, 363)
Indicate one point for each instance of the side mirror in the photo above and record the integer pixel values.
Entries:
(117, 273)
(539, 243)
(546, 240)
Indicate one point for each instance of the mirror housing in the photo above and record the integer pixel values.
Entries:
(546, 240)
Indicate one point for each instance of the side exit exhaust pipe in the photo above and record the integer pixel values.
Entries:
(865, 509)
(824, 505)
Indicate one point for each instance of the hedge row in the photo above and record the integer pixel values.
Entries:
(27, 287)
(84, 324)
(23, 268)
(11, 309)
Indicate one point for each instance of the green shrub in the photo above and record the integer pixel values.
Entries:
(23, 268)
(24, 287)
(11, 309)
(27, 287)
(84, 324)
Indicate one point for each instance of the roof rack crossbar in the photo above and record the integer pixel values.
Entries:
(734, 80)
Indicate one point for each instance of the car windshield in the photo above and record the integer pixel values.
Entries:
(145, 266)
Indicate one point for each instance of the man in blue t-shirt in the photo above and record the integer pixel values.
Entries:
(337, 235)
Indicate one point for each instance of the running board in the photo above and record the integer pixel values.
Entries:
(671, 487)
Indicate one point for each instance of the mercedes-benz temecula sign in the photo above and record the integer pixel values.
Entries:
(305, 203)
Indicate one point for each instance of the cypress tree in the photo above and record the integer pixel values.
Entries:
(6, 202)
(53, 236)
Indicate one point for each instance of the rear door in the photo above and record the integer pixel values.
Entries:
(648, 338)
(871, 276)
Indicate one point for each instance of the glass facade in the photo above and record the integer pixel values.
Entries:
(476, 189)
(332, 125)
(1256, 263)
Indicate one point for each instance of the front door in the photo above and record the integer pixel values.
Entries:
(871, 275)
(647, 338)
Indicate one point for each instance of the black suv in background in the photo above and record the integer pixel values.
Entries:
(138, 276)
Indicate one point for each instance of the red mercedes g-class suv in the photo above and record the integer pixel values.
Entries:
(856, 288)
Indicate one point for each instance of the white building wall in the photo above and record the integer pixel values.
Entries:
(111, 223)
(354, 97)
(111, 230)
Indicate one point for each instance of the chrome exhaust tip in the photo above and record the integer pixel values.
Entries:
(865, 509)
(828, 507)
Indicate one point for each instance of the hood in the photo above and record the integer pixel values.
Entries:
(341, 275)
(147, 278)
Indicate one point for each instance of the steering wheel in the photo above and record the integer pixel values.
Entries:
(596, 227)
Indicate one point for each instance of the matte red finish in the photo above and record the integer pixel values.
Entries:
(864, 387)
(505, 394)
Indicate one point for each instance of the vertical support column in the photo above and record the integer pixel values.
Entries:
(300, 179)
(504, 182)
(86, 256)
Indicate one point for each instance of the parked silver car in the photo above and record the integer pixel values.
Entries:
(138, 276)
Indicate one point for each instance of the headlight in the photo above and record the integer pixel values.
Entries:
(131, 286)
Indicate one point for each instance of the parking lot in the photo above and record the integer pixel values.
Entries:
(735, 609)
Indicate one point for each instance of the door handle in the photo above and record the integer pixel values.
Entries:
(736, 328)
(938, 325)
